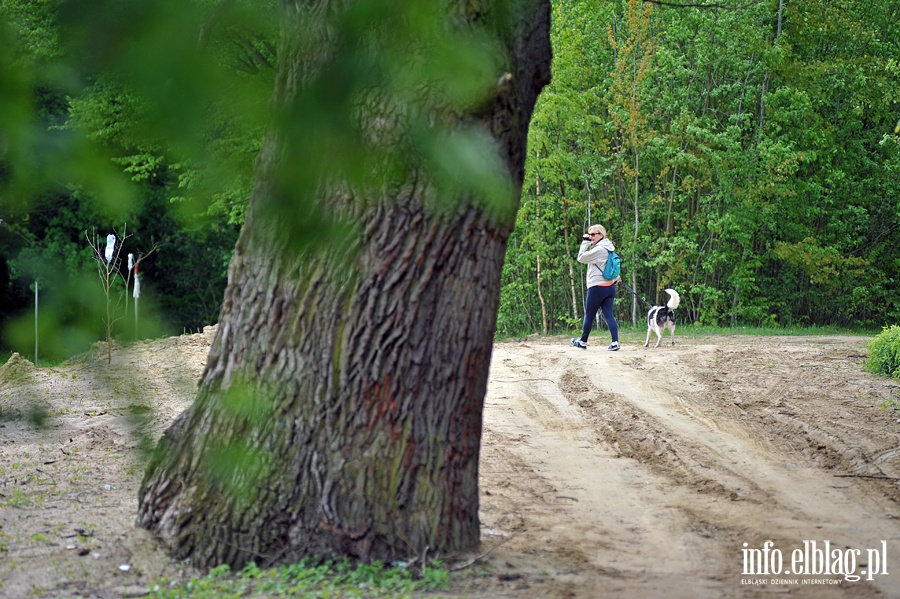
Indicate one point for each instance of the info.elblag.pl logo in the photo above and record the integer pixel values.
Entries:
(813, 559)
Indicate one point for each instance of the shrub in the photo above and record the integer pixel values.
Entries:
(885, 353)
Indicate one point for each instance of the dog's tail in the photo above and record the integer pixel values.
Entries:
(674, 299)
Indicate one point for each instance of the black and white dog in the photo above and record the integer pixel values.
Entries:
(660, 318)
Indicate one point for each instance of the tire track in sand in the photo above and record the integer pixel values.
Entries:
(642, 528)
(607, 519)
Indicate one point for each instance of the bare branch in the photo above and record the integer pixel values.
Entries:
(108, 270)
(153, 248)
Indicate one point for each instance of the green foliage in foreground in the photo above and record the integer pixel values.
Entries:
(308, 578)
(885, 353)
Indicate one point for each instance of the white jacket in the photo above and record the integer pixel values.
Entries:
(595, 257)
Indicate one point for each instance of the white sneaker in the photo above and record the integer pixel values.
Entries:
(577, 343)
(614, 346)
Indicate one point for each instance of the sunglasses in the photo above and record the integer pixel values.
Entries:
(593, 234)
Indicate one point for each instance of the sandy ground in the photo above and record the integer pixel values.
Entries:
(653, 472)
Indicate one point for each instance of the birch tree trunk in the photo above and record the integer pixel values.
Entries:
(340, 411)
(537, 255)
(569, 261)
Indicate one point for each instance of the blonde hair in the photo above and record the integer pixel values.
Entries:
(597, 229)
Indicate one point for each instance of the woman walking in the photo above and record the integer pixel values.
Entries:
(594, 252)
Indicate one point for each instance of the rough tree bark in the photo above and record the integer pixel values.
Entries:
(340, 410)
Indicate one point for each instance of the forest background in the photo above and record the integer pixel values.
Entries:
(746, 154)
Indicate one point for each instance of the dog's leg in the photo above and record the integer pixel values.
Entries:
(672, 330)
(659, 333)
(647, 340)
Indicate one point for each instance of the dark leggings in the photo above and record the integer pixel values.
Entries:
(600, 297)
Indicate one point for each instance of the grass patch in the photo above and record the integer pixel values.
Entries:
(692, 330)
(631, 335)
(308, 578)
(17, 498)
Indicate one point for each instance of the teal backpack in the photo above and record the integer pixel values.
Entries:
(613, 267)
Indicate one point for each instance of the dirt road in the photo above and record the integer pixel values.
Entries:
(640, 473)
(644, 472)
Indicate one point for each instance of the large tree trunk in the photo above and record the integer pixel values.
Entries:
(340, 410)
